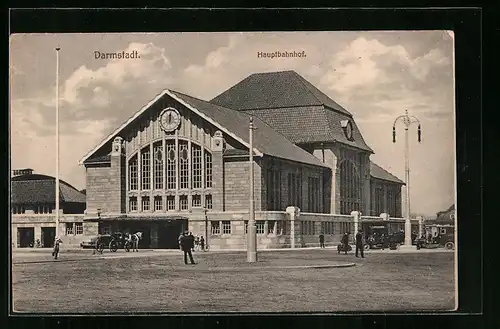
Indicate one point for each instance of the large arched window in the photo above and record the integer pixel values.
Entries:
(350, 188)
(178, 176)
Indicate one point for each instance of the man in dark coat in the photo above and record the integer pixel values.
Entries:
(359, 243)
(187, 244)
(321, 240)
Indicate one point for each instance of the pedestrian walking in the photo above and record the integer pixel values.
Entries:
(321, 240)
(55, 252)
(187, 244)
(359, 243)
(345, 242)
(202, 243)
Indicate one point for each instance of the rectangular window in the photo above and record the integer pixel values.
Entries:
(184, 164)
(208, 169)
(183, 199)
(279, 227)
(196, 164)
(79, 228)
(259, 226)
(69, 229)
(170, 202)
(133, 204)
(208, 201)
(226, 227)
(146, 169)
(215, 227)
(133, 183)
(246, 227)
(158, 166)
(145, 203)
(196, 201)
(273, 189)
(158, 203)
(270, 226)
(292, 190)
(171, 165)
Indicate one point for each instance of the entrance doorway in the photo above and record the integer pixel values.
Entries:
(169, 231)
(25, 236)
(48, 236)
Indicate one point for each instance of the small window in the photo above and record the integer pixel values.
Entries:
(443, 231)
(259, 226)
(170, 202)
(158, 203)
(215, 227)
(79, 228)
(106, 229)
(270, 227)
(196, 201)
(69, 229)
(133, 204)
(226, 227)
(184, 202)
(246, 227)
(145, 203)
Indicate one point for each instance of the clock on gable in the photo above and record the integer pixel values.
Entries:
(170, 119)
(348, 128)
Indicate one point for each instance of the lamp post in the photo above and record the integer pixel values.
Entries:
(251, 229)
(57, 141)
(407, 121)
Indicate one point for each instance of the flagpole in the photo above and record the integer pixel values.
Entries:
(57, 141)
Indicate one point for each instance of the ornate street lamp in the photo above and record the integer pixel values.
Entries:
(407, 121)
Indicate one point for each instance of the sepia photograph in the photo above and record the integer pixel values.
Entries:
(233, 172)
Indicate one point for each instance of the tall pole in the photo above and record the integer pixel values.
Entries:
(57, 141)
(407, 121)
(251, 229)
(407, 181)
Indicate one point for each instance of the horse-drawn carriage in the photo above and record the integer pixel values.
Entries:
(113, 241)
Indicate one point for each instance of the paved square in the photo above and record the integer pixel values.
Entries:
(224, 282)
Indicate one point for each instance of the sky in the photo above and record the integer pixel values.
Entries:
(375, 75)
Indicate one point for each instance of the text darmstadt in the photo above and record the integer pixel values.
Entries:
(117, 55)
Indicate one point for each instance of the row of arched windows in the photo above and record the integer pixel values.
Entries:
(350, 188)
(183, 166)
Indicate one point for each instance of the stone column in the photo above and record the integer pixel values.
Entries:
(292, 214)
(420, 226)
(218, 172)
(356, 217)
(117, 178)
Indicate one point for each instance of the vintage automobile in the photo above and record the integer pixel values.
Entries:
(438, 236)
(113, 241)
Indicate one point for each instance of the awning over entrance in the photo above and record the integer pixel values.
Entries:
(135, 218)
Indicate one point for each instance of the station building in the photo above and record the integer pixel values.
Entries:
(33, 202)
(183, 163)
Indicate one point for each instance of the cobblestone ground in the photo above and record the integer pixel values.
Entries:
(224, 282)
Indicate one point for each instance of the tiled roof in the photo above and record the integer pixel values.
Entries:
(32, 189)
(380, 173)
(266, 139)
(311, 124)
(99, 159)
(292, 106)
(274, 90)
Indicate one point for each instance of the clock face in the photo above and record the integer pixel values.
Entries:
(348, 130)
(170, 119)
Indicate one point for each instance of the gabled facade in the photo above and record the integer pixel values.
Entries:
(180, 158)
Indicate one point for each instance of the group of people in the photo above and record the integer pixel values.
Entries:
(360, 242)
